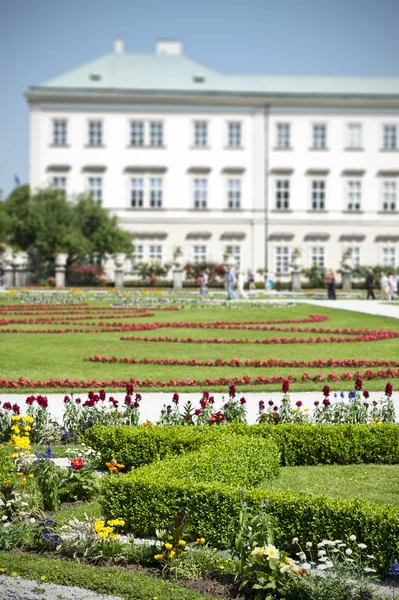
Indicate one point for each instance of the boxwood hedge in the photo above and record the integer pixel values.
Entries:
(298, 444)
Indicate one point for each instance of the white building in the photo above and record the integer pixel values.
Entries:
(189, 157)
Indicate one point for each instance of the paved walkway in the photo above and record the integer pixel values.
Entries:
(369, 307)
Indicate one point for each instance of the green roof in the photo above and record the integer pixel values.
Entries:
(178, 73)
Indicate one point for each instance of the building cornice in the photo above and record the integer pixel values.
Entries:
(37, 95)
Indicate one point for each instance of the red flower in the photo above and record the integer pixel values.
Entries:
(388, 389)
(270, 403)
(358, 384)
(366, 394)
(243, 401)
(316, 403)
(66, 399)
(366, 404)
(262, 404)
(285, 386)
(326, 390)
(175, 398)
(326, 402)
(298, 404)
(77, 463)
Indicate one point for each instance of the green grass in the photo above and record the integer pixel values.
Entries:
(132, 585)
(46, 356)
(376, 483)
(92, 509)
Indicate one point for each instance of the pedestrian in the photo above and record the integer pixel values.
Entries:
(251, 281)
(370, 285)
(1, 276)
(384, 283)
(331, 281)
(392, 287)
(204, 289)
(240, 286)
(229, 284)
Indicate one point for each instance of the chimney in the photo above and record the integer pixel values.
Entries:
(119, 46)
(169, 47)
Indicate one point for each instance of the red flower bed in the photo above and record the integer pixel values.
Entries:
(23, 383)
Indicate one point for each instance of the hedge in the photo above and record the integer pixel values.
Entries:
(7, 468)
(299, 445)
(132, 585)
(149, 500)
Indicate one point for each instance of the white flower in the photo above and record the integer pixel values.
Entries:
(341, 545)
(362, 546)
(348, 551)
(350, 560)
(329, 564)
(369, 570)
(338, 542)
(4, 518)
(309, 544)
(323, 558)
(302, 555)
(321, 567)
(371, 556)
(307, 566)
(32, 520)
(321, 553)
(352, 538)
(295, 540)
(285, 568)
(7, 524)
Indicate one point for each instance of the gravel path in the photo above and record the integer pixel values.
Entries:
(16, 588)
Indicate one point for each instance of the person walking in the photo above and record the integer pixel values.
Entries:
(384, 287)
(392, 287)
(331, 280)
(240, 286)
(204, 289)
(370, 285)
(229, 284)
(251, 281)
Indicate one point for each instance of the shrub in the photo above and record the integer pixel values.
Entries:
(298, 444)
(6, 464)
(149, 500)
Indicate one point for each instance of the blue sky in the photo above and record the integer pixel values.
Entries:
(40, 39)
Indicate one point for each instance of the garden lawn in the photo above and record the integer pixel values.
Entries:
(376, 483)
(49, 356)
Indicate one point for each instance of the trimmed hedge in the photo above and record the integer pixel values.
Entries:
(6, 464)
(298, 444)
(149, 500)
(138, 446)
(107, 580)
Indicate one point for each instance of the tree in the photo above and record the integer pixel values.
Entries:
(101, 231)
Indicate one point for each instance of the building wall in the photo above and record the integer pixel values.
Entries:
(258, 161)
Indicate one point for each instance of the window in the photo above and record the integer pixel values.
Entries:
(389, 256)
(137, 133)
(282, 194)
(318, 194)
(137, 256)
(317, 256)
(156, 133)
(283, 135)
(60, 182)
(390, 139)
(355, 135)
(137, 192)
(155, 252)
(234, 134)
(234, 193)
(355, 255)
(235, 251)
(200, 193)
(156, 192)
(389, 195)
(200, 133)
(95, 133)
(282, 260)
(319, 136)
(95, 185)
(354, 194)
(60, 132)
(199, 254)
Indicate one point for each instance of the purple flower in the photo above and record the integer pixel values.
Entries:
(393, 570)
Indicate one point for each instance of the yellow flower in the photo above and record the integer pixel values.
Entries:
(158, 556)
(116, 522)
(168, 546)
(181, 543)
(27, 428)
(15, 454)
(23, 481)
(43, 578)
(3, 570)
(102, 534)
(98, 525)
(171, 554)
(13, 574)
(31, 475)
(15, 418)
(28, 419)
(201, 541)
(19, 474)
(113, 536)
(7, 481)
